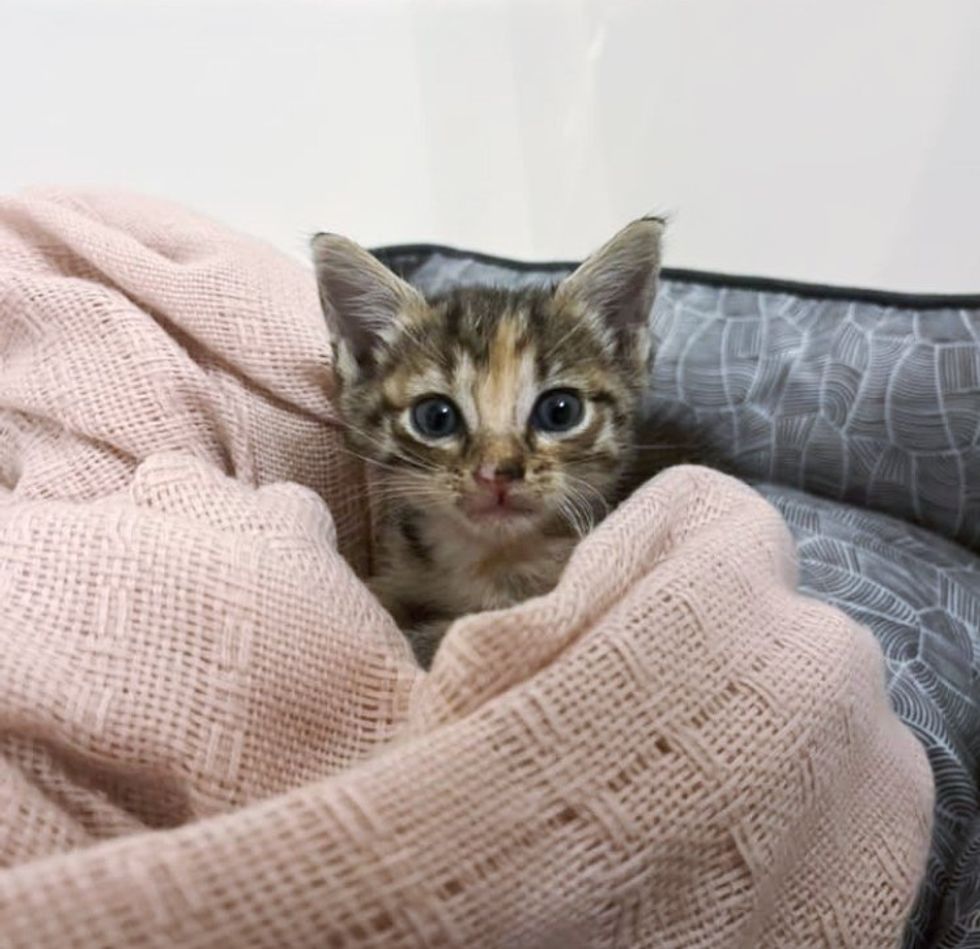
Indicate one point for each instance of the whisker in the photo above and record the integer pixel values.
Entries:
(586, 499)
(661, 447)
(418, 461)
(592, 488)
(574, 328)
(372, 461)
(419, 341)
(578, 518)
(411, 456)
(586, 510)
(568, 515)
(343, 520)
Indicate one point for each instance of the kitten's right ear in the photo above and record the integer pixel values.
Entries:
(361, 298)
(618, 282)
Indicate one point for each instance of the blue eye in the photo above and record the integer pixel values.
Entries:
(435, 417)
(557, 411)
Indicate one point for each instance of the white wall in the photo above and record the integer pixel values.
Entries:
(832, 140)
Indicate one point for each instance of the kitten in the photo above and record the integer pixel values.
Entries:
(499, 422)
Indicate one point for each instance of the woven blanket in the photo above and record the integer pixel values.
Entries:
(212, 735)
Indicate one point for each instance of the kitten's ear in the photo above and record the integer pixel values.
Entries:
(360, 297)
(619, 281)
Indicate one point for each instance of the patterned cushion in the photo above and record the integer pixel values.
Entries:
(864, 397)
(838, 404)
(920, 595)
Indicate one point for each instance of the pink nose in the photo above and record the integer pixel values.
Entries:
(497, 477)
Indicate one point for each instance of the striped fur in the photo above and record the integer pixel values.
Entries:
(492, 353)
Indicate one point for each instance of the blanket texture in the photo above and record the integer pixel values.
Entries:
(873, 403)
(212, 735)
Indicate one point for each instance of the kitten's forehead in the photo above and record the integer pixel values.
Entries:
(504, 391)
(494, 328)
(494, 351)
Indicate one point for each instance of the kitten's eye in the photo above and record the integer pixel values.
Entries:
(435, 417)
(557, 411)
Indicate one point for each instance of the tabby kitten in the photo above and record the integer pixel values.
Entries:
(499, 422)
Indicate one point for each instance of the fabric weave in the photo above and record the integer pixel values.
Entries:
(212, 735)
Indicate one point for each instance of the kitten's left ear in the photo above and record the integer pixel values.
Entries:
(361, 298)
(619, 281)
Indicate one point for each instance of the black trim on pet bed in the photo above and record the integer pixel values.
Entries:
(910, 301)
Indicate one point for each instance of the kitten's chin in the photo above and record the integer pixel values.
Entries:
(493, 519)
(502, 518)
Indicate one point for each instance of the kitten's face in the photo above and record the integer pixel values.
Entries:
(498, 410)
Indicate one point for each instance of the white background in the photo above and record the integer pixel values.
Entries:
(833, 140)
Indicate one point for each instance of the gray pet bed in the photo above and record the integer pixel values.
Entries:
(857, 414)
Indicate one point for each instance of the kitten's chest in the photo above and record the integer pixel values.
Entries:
(487, 577)
(451, 574)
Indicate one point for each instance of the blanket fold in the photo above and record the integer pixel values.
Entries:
(211, 734)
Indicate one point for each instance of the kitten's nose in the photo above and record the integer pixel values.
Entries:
(498, 477)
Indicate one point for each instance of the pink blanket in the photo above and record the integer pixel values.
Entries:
(212, 735)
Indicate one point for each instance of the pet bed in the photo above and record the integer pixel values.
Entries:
(857, 414)
(212, 735)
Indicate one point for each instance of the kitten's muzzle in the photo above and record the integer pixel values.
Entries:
(500, 476)
(495, 495)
